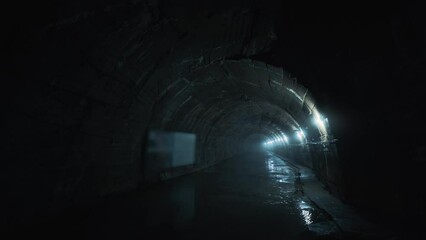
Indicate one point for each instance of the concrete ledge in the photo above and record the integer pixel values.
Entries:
(184, 170)
(346, 217)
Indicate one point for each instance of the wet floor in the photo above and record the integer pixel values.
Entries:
(252, 196)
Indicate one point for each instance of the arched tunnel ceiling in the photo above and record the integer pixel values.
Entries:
(84, 81)
(88, 81)
(91, 79)
(238, 97)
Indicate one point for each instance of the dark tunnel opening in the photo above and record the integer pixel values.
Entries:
(214, 119)
(253, 143)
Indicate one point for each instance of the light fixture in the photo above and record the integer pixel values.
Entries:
(301, 135)
(318, 120)
(285, 138)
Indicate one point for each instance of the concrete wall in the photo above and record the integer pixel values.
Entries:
(83, 81)
(323, 159)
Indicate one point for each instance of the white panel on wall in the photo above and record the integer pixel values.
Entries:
(170, 149)
(183, 149)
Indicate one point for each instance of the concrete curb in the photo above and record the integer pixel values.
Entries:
(346, 217)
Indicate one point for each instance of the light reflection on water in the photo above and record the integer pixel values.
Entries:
(307, 215)
(279, 171)
(306, 212)
(282, 177)
(282, 173)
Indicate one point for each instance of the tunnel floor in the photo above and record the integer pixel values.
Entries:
(252, 196)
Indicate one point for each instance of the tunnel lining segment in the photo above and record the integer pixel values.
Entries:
(214, 100)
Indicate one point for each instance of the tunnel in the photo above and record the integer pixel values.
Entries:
(141, 119)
